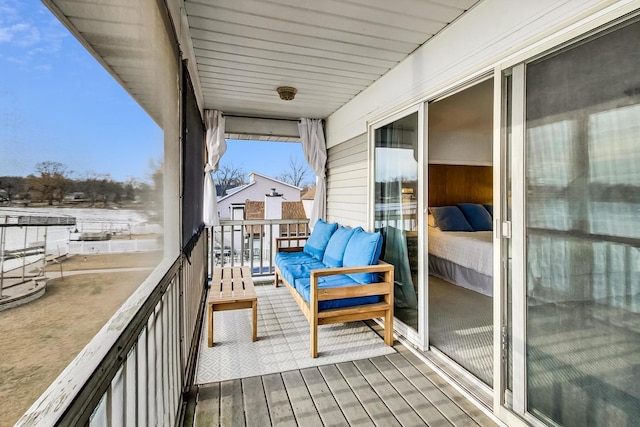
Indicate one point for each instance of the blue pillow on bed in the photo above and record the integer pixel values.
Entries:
(450, 218)
(477, 216)
(489, 209)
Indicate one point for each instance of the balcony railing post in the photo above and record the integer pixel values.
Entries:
(248, 248)
(272, 240)
(211, 248)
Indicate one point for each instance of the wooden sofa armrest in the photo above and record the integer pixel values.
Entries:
(380, 267)
(383, 288)
(296, 239)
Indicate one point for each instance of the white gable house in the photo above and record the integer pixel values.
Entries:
(258, 186)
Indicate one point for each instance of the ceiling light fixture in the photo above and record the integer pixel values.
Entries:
(287, 93)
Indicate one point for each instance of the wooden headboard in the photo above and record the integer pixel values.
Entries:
(451, 184)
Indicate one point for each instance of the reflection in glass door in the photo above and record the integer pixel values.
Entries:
(396, 209)
(582, 231)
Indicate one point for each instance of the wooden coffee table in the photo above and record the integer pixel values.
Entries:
(232, 289)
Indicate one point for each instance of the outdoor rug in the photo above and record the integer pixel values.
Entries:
(283, 341)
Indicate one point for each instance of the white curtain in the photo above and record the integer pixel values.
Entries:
(216, 146)
(315, 151)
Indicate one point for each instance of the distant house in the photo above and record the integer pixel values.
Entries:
(258, 186)
(272, 207)
(307, 200)
(75, 197)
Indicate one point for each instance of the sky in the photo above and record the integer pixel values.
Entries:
(57, 103)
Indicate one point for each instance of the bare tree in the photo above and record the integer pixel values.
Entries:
(51, 182)
(157, 177)
(229, 176)
(93, 187)
(295, 173)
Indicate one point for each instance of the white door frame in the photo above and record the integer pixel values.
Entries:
(419, 337)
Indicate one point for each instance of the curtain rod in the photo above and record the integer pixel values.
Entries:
(260, 118)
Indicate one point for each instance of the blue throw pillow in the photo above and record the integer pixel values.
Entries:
(489, 209)
(450, 218)
(317, 241)
(363, 249)
(334, 252)
(477, 216)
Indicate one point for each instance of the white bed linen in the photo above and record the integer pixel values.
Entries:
(472, 250)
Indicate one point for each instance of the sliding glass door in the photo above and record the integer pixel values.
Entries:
(576, 250)
(396, 211)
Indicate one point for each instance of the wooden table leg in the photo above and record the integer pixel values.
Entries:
(210, 325)
(254, 307)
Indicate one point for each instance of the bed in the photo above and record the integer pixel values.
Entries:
(462, 258)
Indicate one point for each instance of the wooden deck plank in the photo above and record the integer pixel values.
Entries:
(277, 401)
(328, 408)
(397, 389)
(371, 402)
(394, 401)
(445, 405)
(208, 406)
(434, 394)
(348, 402)
(231, 408)
(469, 408)
(420, 404)
(255, 402)
(301, 401)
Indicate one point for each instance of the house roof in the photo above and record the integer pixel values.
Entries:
(293, 210)
(253, 209)
(272, 179)
(310, 194)
(235, 190)
(290, 210)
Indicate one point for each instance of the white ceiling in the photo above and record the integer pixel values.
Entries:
(330, 50)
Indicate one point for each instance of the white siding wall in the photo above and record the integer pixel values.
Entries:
(487, 34)
(347, 185)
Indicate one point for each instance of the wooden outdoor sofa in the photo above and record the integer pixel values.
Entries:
(327, 293)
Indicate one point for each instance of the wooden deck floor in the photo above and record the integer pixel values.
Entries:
(394, 390)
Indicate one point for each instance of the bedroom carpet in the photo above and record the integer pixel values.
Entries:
(283, 341)
(461, 326)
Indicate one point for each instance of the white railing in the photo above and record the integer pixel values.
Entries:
(251, 242)
(135, 370)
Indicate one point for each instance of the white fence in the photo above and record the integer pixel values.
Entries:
(114, 246)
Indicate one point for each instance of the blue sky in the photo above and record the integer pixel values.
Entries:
(57, 103)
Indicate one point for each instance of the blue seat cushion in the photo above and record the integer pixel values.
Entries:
(450, 218)
(477, 216)
(363, 249)
(303, 287)
(489, 209)
(292, 272)
(288, 258)
(319, 238)
(334, 253)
